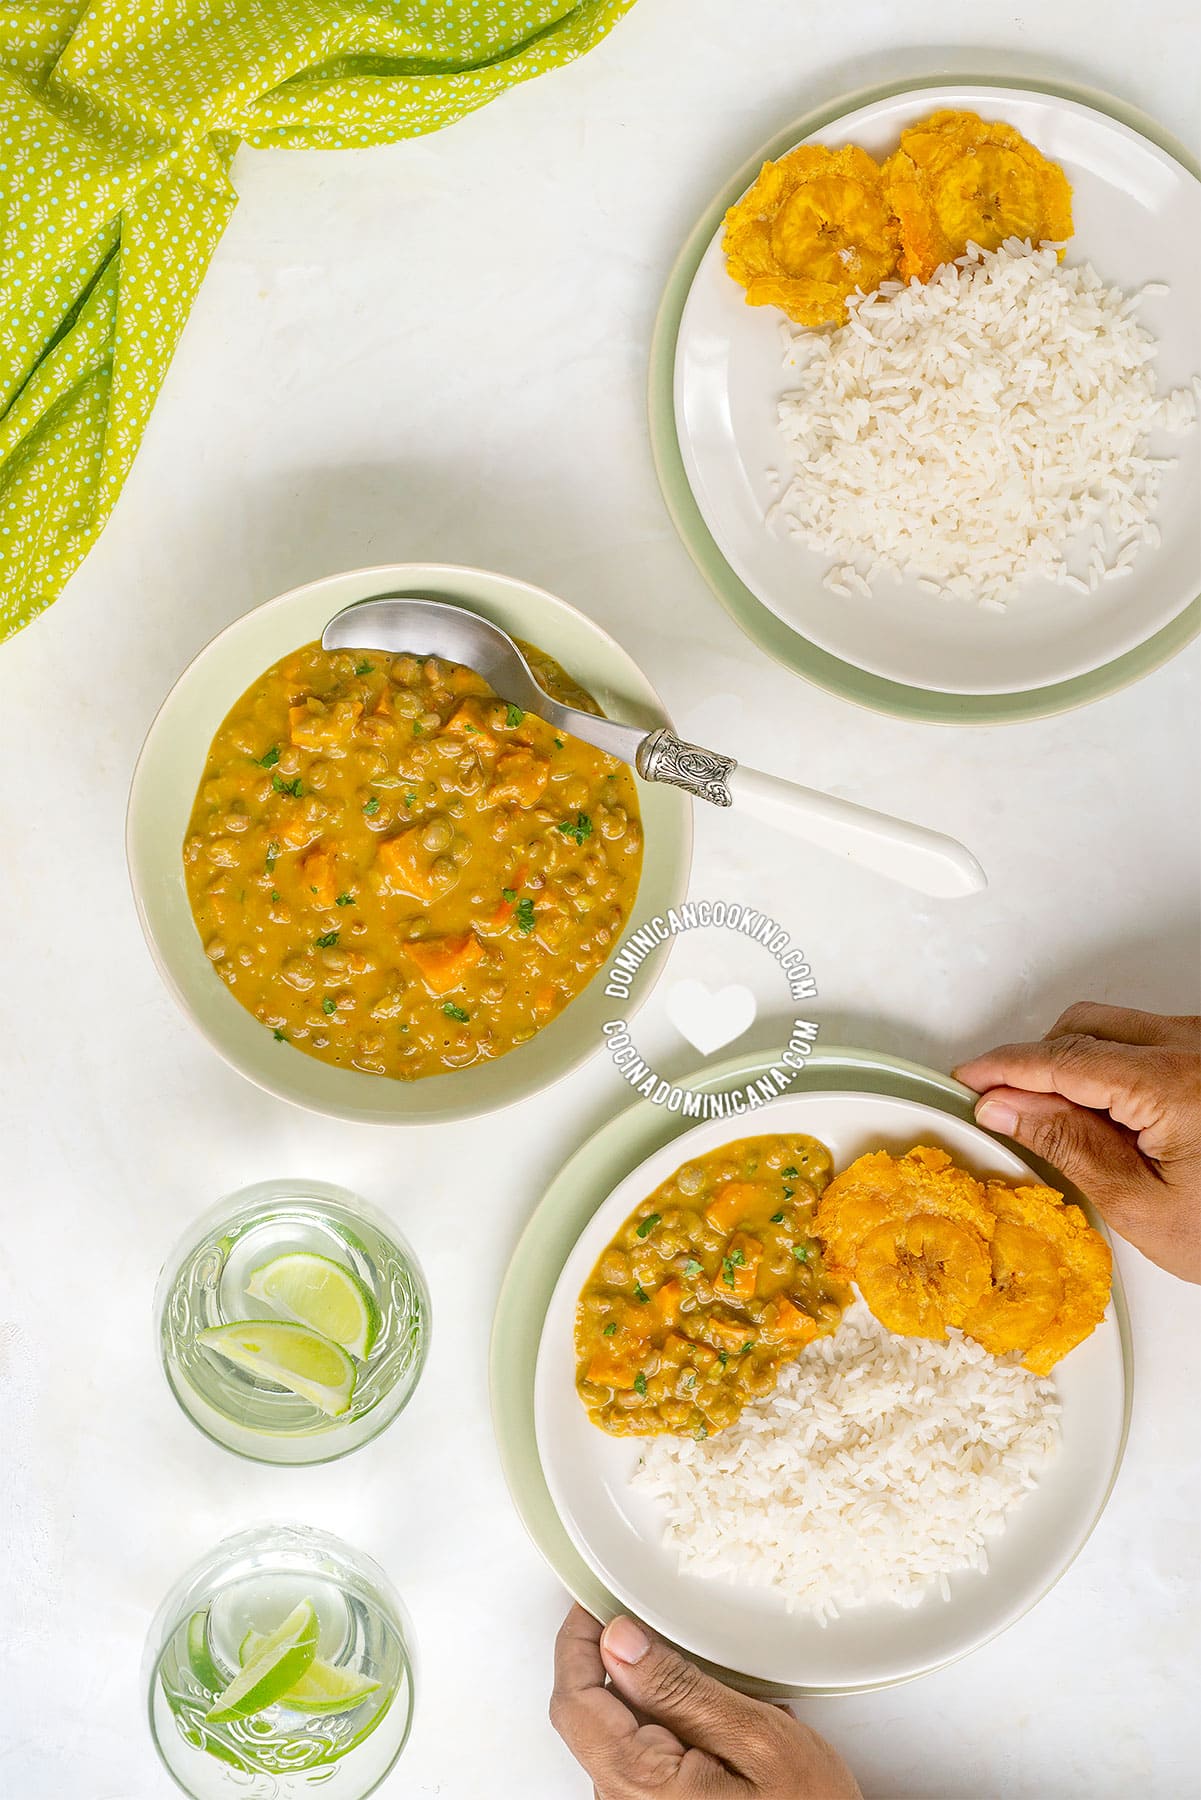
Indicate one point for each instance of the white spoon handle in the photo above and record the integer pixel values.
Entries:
(922, 859)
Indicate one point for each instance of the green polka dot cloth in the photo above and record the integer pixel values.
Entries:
(118, 124)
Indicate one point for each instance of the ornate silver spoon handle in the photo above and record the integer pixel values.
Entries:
(664, 757)
(926, 860)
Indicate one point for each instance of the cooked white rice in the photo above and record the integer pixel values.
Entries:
(988, 426)
(878, 1467)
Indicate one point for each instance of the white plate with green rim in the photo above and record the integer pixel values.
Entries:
(164, 788)
(915, 1642)
(716, 375)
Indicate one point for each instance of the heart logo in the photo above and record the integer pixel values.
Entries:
(708, 1019)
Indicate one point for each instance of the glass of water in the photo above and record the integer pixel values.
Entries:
(280, 1667)
(293, 1322)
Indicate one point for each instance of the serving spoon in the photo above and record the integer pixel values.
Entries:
(412, 623)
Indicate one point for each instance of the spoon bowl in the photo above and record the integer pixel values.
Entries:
(423, 626)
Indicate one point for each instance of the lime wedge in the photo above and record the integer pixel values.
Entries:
(200, 1657)
(302, 1361)
(322, 1688)
(322, 1294)
(281, 1660)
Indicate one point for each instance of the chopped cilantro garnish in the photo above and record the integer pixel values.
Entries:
(525, 917)
(738, 1257)
(640, 1383)
(417, 728)
(274, 894)
(692, 1267)
(344, 900)
(372, 806)
(788, 1174)
(456, 1012)
(514, 715)
(272, 853)
(329, 1004)
(581, 830)
(727, 1271)
(648, 1224)
(801, 1252)
(558, 743)
(410, 799)
(365, 668)
(789, 1192)
(640, 1295)
(749, 1345)
(279, 1036)
(272, 757)
(508, 895)
(326, 941)
(610, 1328)
(295, 788)
(723, 1357)
(777, 1218)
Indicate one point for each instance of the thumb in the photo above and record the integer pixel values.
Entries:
(665, 1686)
(1096, 1155)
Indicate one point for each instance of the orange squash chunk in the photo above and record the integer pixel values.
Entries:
(736, 1201)
(788, 1324)
(728, 1334)
(676, 1349)
(506, 908)
(443, 962)
(669, 1298)
(320, 876)
(520, 779)
(470, 719)
(408, 866)
(739, 1267)
(616, 1361)
(314, 726)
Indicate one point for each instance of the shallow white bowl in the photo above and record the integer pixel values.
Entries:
(164, 788)
(619, 1533)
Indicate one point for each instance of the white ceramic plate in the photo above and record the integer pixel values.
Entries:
(1137, 216)
(619, 1533)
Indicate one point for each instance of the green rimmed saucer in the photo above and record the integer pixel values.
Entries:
(569, 1202)
(789, 643)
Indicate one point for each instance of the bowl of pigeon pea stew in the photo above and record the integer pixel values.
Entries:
(380, 889)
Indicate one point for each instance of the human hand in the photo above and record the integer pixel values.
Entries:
(1113, 1098)
(700, 1740)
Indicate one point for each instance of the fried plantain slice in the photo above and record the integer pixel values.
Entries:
(957, 179)
(1082, 1257)
(813, 227)
(878, 1187)
(1027, 1290)
(921, 1274)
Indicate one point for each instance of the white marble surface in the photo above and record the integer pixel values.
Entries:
(438, 350)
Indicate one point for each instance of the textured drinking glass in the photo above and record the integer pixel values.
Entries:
(204, 1285)
(345, 1722)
